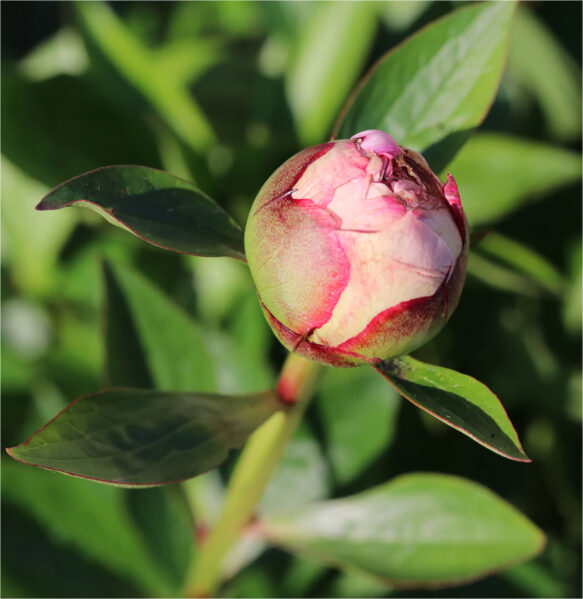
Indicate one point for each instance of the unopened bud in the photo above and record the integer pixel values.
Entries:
(358, 251)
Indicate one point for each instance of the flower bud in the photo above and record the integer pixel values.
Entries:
(358, 251)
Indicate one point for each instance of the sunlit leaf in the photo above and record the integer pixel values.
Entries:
(541, 65)
(154, 205)
(436, 86)
(417, 530)
(497, 174)
(326, 58)
(458, 400)
(133, 437)
(63, 53)
(139, 66)
(32, 249)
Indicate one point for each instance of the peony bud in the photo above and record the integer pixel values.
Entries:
(357, 250)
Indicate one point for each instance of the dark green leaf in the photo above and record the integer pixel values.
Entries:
(150, 341)
(438, 84)
(64, 116)
(358, 415)
(417, 530)
(68, 510)
(458, 400)
(171, 528)
(144, 438)
(154, 205)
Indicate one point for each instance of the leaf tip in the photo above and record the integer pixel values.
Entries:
(13, 453)
(43, 205)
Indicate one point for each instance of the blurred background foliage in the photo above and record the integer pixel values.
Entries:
(221, 93)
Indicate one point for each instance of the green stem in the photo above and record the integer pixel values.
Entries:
(252, 473)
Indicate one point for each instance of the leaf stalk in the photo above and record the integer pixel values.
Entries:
(296, 385)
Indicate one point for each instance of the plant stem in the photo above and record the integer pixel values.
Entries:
(252, 473)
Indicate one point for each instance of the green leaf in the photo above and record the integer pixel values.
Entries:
(497, 174)
(438, 84)
(171, 528)
(93, 129)
(502, 277)
(150, 341)
(358, 415)
(523, 262)
(417, 530)
(132, 437)
(541, 65)
(457, 399)
(301, 476)
(68, 510)
(154, 205)
(328, 55)
(572, 312)
(399, 16)
(164, 89)
(32, 264)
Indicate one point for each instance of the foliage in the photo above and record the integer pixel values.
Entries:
(220, 93)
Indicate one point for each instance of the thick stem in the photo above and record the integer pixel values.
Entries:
(252, 473)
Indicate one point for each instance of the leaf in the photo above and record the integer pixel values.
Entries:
(438, 84)
(502, 277)
(399, 16)
(324, 66)
(164, 90)
(572, 313)
(358, 419)
(132, 437)
(301, 476)
(150, 341)
(44, 121)
(524, 262)
(32, 264)
(497, 174)
(156, 206)
(541, 65)
(61, 54)
(170, 528)
(457, 399)
(92, 520)
(419, 530)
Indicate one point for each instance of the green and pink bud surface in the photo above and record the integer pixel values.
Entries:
(357, 250)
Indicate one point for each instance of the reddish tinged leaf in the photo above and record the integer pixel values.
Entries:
(457, 399)
(161, 209)
(138, 438)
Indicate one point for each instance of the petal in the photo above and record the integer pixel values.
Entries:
(300, 279)
(401, 263)
(337, 167)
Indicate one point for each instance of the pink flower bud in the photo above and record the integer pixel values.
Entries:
(357, 250)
